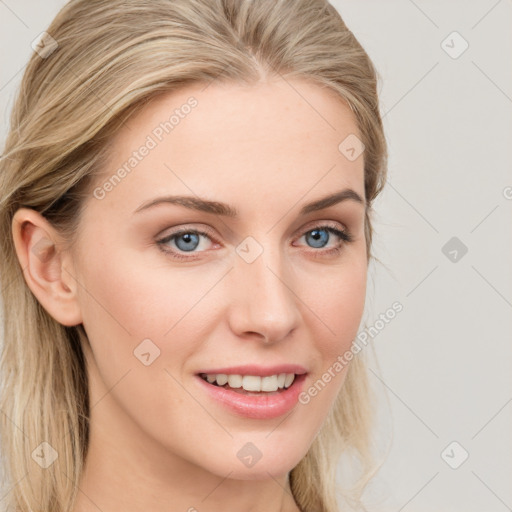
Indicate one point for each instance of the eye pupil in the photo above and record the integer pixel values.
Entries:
(316, 235)
(188, 238)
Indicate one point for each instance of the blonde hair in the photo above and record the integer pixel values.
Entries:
(112, 57)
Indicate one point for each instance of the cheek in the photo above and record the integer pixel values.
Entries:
(123, 308)
(137, 295)
(336, 297)
(337, 302)
(129, 299)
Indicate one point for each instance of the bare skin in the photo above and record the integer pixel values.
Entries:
(158, 441)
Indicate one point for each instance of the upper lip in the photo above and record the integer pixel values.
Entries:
(253, 369)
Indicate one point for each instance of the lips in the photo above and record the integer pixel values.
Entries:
(254, 391)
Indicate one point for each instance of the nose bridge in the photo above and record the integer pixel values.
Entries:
(264, 301)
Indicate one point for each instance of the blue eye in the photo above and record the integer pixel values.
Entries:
(320, 236)
(188, 240)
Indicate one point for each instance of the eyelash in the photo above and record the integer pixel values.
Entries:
(342, 234)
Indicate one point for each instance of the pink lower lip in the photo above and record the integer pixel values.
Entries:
(257, 406)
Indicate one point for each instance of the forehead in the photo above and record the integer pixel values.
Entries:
(236, 142)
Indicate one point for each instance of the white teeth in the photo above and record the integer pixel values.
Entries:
(222, 379)
(235, 381)
(270, 383)
(289, 379)
(251, 383)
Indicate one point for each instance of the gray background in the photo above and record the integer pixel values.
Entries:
(446, 359)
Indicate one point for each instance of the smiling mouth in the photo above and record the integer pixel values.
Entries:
(251, 384)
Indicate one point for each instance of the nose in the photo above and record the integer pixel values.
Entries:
(264, 305)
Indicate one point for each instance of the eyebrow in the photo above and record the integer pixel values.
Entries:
(218, 208)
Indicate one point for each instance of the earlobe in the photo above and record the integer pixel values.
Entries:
(37, 247)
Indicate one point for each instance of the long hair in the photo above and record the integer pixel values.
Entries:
(102, 61)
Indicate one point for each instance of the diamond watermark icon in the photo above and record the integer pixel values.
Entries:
(351, 147)
(249, 454)
(45, 455)
(146, 352)
(249, 249)
(454, 249)
(44, 44)
(42, 249)
(454, 45)
(454, 455)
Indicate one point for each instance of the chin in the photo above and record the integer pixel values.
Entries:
(260, 471)
(251, 463)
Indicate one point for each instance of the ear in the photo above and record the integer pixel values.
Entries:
(47, 271)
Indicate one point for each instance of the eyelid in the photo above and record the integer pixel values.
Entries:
(316, 224)
(205, 229)
(201, 229)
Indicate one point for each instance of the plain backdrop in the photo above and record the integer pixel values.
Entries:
(442, 235)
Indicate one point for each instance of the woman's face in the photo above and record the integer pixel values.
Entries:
(246, 275)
